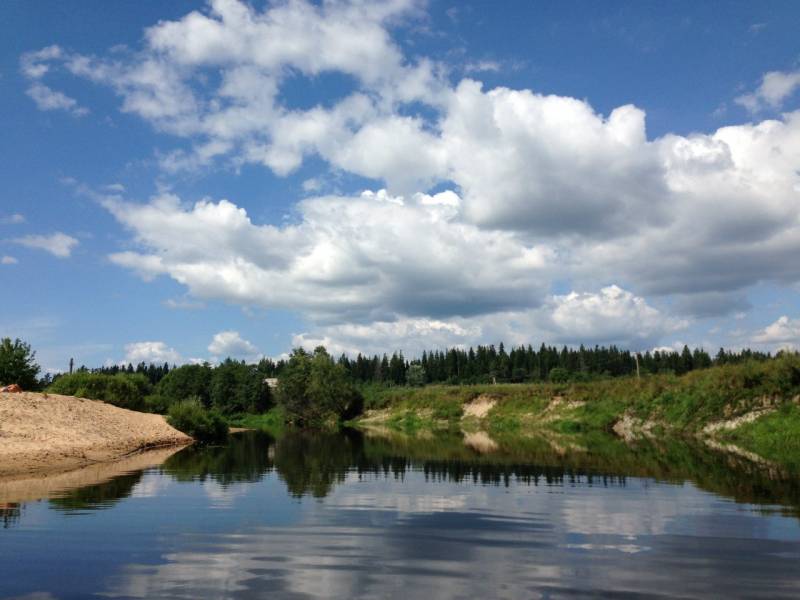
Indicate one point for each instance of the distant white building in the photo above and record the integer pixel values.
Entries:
(272, 382)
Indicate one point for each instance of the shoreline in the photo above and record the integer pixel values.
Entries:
(754, 406)
(49, 433)
(25, 487)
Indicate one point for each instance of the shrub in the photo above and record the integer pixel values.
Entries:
(190, 417)
(123, 389)
(415, 376)
(156, 403)
(559, 375)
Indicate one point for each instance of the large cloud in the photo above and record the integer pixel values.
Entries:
(610, 316)
(550, 165)
(217, 77)
(366, 258)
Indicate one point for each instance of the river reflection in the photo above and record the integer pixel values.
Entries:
(388, 515)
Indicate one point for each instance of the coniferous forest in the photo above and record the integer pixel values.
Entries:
(488, 364)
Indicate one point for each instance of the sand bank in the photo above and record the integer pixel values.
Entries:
(50, 433)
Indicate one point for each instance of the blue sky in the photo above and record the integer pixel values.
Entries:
(397, 175)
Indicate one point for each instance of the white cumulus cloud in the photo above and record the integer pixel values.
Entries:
(151, 352)
(363, 258)
(783, 333)
(231, 344)
(610, 316)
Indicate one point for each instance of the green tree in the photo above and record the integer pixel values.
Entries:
(315, 391)
(687, 361)
(415, 376)
(185, 382)
(559, 375)
(18, 364)
(122, 389)
(237, 387)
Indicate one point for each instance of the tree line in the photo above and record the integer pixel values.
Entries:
(482, 364)
(314, 391)
(488, 364)
(231, 387)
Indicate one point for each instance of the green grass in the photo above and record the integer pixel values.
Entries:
(272, 421)
(408, 421)
(775, 436)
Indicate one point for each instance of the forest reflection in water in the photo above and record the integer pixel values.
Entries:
(384, 514)
(313, 463)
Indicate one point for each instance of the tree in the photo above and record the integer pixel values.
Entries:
(122, 389)
(238, 387)
(18, 364)
(687, 361)
(415, 376)
(187, 381)
(559, 375)
(314, 390)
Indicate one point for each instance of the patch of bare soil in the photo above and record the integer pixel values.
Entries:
(375, 416)
(631, 428)
(479, 407)
(557, 407)
(734, 423)
(41, 433)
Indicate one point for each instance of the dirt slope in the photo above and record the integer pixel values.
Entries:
(50, 433)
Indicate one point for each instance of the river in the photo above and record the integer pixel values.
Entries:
(383, 514)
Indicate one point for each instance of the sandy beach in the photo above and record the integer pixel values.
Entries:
(50, 433)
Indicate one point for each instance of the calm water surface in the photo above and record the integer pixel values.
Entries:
(349, 515)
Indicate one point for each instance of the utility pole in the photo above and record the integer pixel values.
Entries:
(71, 364)
(636, 358)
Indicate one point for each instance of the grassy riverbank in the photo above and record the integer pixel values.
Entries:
(754, 403)
(273, 421)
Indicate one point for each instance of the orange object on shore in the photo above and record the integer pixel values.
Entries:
(12, 389)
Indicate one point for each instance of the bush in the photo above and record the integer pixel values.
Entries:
(559, 375)
(123, 389)
(156, 403)
(190, 417)
(415, 376)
